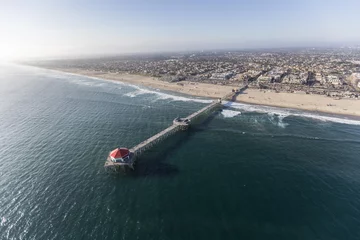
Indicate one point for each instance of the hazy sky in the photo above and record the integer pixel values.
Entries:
(68, 27)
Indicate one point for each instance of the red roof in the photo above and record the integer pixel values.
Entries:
(119, 153)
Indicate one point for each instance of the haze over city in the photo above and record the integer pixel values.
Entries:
(46, 29)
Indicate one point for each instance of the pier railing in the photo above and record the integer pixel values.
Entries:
(148, 143)
(137, 150)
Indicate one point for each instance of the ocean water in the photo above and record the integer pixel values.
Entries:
(248, 172)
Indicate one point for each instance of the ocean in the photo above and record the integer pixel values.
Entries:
(247, 172)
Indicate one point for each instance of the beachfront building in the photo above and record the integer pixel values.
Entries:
(264, 79)
(334, 80)
(320, 78)
(294, 79)
(221, 76)
(355, 80)
(119, 155)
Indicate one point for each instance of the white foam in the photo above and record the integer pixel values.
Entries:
(229, 113)
(330, 119)
(131, 94)
(283, 113)
(3, 220)
(88, 83)
(163, 96)
(280, 122)
(139, 90)
(82, 79)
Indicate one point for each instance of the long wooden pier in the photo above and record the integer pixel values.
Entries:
(148, 143)
(178, 125)
(206, 109)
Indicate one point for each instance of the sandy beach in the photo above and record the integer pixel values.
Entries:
(317, 103)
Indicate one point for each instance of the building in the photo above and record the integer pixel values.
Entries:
(334, 80)
(119, 155)
(293, 79)
(264, 79)
(320, 78)
(355, 80)
(222, 76)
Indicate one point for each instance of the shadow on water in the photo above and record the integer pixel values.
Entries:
(153, 162)
(203, 125)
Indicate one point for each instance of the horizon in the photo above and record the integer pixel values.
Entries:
(64, 29)
(195, 51)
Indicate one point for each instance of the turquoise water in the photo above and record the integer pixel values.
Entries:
(248, 172)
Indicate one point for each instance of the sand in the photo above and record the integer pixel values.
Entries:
(299, 100)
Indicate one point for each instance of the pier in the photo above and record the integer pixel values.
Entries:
(179, 124)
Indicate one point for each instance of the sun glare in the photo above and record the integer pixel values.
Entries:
(8, 53)
(18, 52)
(19, 43)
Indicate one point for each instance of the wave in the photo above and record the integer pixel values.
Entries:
(80, 79)
(277, 119)
(229, 113)
(163, 96)
(3, 220)
(84, 80)
(131, 94)
(281, 114)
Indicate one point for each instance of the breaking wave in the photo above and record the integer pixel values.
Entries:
(281, 114)
(99, 82)
(229, 113)
(273, 112)
(163, 96)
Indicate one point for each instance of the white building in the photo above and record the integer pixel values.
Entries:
(264, 79)
(319, 77)
(293, 79)
(356, 76)
(332, 79)
(222, 76)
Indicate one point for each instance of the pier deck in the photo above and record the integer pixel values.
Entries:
(203, 110)
(138, 149)
(178, 125)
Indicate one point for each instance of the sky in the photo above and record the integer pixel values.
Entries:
(66, 28)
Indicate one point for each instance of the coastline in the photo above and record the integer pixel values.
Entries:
(301, 101)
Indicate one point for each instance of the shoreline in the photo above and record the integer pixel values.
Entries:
(298, 101)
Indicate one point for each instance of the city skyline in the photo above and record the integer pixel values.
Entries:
(66, 28)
